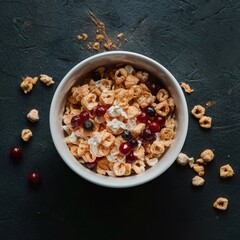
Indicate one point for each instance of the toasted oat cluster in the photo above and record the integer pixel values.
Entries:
(119, 123)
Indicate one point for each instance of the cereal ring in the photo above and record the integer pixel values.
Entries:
(145, 99)
(138, 166)
(198, 111)
(128, 169)
(107, 98)
(221, 203)
(137, 90)
(167, 134)
(89, 101)
(120, 75)
(162, 108)
(142, 76)
(119, 168)
(139, 152)
(107, 139)
(157, 147)
(133, 112)
(131, 81)
(205, 122)
(226, 171)
(162, 95)
(104, 85)
(151, 161)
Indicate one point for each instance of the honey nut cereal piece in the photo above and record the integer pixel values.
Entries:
(170, 123)
(166, 134)
(205, 122)
(171, 103)
(142, 76)
(138, 166)
(48, 81)
(128, 169)
(99, 37)
(120, 75)
(133, 112)
(96, 46)
(27, 84)
(139, 152)
(74, 150)
(162, 95)
(79, 37)
(186, 87)
(83, 147)
(157, 147)
(129, 69)
(221, 203)
(119, 168)
(105, 85)
(182, 159)
(200, 161)
(151, 161)
(207, 155)
(199, 169)
(226, 171)
(85, 36)
(26, 135)
(131, 81)
(89, 101)
(107, 98)
(162, 108)
(107, 139)
(198, 181)
(137, 130)
(198, 111)
(33, 116)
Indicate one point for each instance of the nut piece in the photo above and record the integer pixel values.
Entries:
(27, 84)
(186, 87)
(205, 122)
(207, 155)
(183, 159)
(33, 116)
(221, 203)
(199, 169)
(226, 171)
(197, 181)
(26, 135)
(198, 111)
(46, 79)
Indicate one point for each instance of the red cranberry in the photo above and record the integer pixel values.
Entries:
(76, 121)
(148, 134)
(125, 148)
(154, 127)
(142, 117)
(100, 110)
(16, 152)
(131, 157)
(34, 178)
(160, 120)
(84, 115)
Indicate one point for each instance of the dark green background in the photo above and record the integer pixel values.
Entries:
(198, 41)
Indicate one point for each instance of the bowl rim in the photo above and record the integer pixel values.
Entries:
(95, 177)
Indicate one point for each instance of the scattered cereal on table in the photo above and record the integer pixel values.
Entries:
(28, 83)
(79, 37)
(199, 169)
(33, 116)
(48, 81)
(226, 171)
(198, 111)
(207, 155)
(221, 203)
(26, 135)
(205, 122)
(183, 159)
(198, 181)
(186, 87)
(96, 46)
(85, 36)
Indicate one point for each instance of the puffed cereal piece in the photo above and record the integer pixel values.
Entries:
(157, 147)
(107, 139)
(145, 99)
(131, 81)
(27, 84)
(182, 159)
(48, 81)
(107, 98)
(198, 111)
(33, 116)
(199, 169)
(142, 76)
(89, 101)
(139, 152)
(171, 103)
(133, 112)
(221, 203)
(136, 90)
(198, 181)
(186, 87)
(226, 171)
(162, 95)
(162, 108)
(74, 150)
(167, 134)
(138, 166)
(105, 85)
(170, 123)
(128, 169)
(119, 168)
(120, 75)
(79, 92)
(129, 69)
(83, 147)
(136, 130)
(205, 122)
(200, 161)
(207, 155)
(26, 135)
(151, 161)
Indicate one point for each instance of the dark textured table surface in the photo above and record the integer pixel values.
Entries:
(198, 41)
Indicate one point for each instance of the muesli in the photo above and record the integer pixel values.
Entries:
(120, 121)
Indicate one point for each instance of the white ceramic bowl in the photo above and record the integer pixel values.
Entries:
(77, 74)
